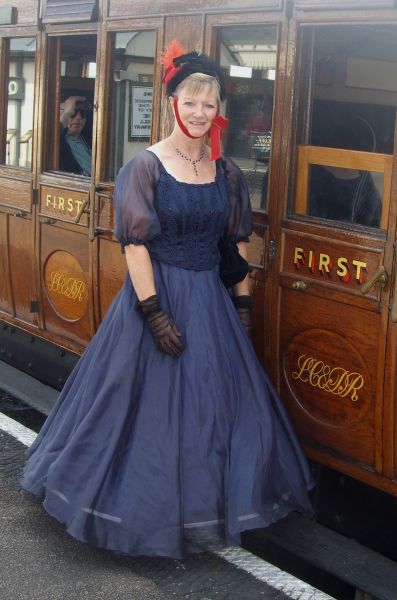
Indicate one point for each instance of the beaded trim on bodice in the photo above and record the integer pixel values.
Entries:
(192, 217)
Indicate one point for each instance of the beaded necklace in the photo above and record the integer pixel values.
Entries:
(188, 159)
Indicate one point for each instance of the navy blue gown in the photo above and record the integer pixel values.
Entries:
(146, 454)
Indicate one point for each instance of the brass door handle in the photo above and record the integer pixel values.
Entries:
(48, 220)
(82, 209)
(299, 285)
(380, 276)
(88, 207)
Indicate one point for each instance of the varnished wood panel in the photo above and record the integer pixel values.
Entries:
(106, 213)
(125, 8)
(63, 204)
(343, 4)
(260, 285)
(66, 283)
(5, 289)
(256, 248)
(112, 269)
(16, 193)
(332, 263)
(389, 409)
(329, 360)
(21, 260)
(188, 29)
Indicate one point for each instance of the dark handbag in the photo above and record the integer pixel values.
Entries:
(233, 268)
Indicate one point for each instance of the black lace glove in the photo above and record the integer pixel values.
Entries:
(163, 328)
(244, 307)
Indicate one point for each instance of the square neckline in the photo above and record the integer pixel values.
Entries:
(214, 182)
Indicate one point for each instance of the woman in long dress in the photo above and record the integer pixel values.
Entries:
(168, 431)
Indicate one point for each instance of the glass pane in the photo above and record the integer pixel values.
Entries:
(20, 103)
(351, 75)
(130, 121)
(345, 194)
(355, 88)
(248, 57)
(70, 101)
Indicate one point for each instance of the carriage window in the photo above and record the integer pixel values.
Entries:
(346, 124)
(130, 115)
(20, 102)
(248, 57)
(69, 104)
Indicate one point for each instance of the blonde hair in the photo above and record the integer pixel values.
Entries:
(195, 82)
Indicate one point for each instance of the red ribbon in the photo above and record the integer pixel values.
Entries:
(170, 73)
(215, 132)
(217, 127)
(178, 118)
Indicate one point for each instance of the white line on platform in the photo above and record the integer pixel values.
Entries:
(20, 432)
(291, 586)
(276, 578)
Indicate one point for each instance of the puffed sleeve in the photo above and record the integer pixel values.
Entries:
(240, 216)
(136, 217)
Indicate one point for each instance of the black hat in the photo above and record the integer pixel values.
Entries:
(187, 64)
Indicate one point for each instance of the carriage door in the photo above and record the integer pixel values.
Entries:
(250, 56)
(337, 271)
(17, 207)
(66, 185)
(128, 94)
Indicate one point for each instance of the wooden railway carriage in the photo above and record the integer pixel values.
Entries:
(312, 96)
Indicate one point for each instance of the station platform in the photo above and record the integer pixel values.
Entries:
(39, 560)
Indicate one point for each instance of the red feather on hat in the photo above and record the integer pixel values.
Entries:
(173, 50)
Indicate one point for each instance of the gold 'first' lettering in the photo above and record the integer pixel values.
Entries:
(325, 265)
(62, 204)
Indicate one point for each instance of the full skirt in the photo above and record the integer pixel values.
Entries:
(146, 454)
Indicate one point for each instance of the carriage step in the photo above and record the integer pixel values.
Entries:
(302, 541)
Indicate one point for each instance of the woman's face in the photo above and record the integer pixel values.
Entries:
(197, 111)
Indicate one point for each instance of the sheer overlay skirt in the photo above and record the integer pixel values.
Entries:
(147, 454)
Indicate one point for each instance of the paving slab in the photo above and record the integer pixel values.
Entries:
(40, 561)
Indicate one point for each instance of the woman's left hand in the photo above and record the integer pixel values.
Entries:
(244, 306)
(245, 315)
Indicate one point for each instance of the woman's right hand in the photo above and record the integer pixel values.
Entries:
(164, 331)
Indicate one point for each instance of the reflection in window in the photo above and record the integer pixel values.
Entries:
(248, 57)
(352, 107)
(20, 102)
(132, 95)
(355, 88)
(345, 194)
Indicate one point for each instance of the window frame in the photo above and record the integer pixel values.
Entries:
(336, 157)
(154, 25)
(5, 39)
(52, 95)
